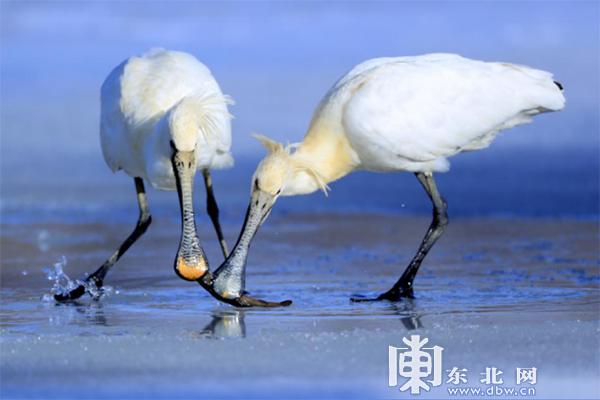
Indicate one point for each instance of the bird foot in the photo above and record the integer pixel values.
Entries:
(393, 295)
(91, 285)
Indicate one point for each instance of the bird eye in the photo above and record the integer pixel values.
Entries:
(279, 191)
(256, 184)
(172, 145)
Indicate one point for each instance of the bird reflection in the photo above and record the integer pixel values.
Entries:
(408, 315)
(225, 324)
(79, 313)
(411, 323)
(94, 314)
(406, 309)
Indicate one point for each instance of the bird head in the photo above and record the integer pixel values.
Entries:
(194, 119)
(273, 172)
(269, 179)
(280, 173)
(190, 262)
(183, 125)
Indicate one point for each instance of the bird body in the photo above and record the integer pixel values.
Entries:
(412, 113)
(163, 118)
(158, 97)
(403, 114)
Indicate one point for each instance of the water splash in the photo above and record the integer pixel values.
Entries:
(63, 284)
(98, 292)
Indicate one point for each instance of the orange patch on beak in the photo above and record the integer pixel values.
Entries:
(191, 272)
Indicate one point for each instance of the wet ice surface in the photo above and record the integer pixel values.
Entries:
(494, 292)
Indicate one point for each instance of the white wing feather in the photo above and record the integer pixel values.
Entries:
(140, 91)
(410, 113)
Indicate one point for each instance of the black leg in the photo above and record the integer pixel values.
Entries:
(404, 286)
(97, 277)
(213, 211)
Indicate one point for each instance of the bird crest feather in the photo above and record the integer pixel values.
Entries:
(199, 110)
(298, 162)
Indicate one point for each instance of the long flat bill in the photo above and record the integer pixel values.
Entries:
(243, 301)
(247, 301)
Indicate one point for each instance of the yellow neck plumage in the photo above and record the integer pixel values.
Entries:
(324, 156)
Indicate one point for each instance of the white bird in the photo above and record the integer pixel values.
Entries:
(403, 114)
(163, 117)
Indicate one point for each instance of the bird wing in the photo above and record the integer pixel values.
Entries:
(423, 108)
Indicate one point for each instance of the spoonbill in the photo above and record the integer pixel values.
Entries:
(403, 114)
(163, 117)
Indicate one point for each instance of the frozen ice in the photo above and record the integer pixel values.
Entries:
(518, 304)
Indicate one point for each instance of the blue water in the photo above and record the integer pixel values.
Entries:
(509, 183)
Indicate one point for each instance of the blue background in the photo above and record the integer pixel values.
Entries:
(277, 59)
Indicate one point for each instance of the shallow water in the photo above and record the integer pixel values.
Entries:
(501, 292)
